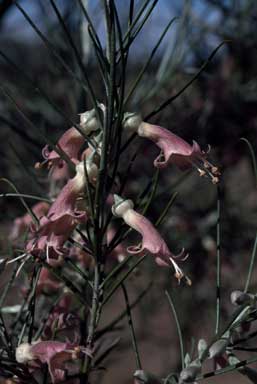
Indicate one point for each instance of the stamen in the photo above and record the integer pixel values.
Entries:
(209, 169)
(179, 274)
(50, 163)
(212, 171)
(215, 170)
(201, 172)
(17, 258)
(215, 180)
(39, 165)
(197, 166)
(47, 253)
(22, 264)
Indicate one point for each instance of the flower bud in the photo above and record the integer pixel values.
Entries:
(143, 377)
(188, 375)
(240, 298)
(187, 360)
(219, 347)
(92, 172)
(23, 353)
(121, 206)
(131, 121)
(202, 346)
(89, 122)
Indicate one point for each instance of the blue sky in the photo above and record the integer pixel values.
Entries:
(17, 27)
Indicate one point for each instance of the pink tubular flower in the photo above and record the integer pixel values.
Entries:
(151, 239)
(70, 142)
(51, 245)
(173, 148)
(53, 353)
(55, 228)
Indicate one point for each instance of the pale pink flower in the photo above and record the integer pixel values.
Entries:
(173, 148)
(63, 216)
(53, 353)
(51, 245)
(152, 241)
(70, 143)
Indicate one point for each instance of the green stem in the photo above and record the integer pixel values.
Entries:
(218, 259)
(109, 327)
(172, 98)
(182, 353)
(122, 279)
(92, 325)
(249, 276)
(231, 368)
(25, 196)
(131, 326)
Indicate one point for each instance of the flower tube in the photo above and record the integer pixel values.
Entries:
(53, 353)
(173, 148)
(70, 142)
(63, 216)
(152, 241)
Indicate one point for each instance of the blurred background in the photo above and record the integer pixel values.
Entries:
(218, 109)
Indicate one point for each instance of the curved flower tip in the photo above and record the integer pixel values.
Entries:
(62, 218)
(51, 245)
(173, 148)
(152, 241)
(176, 150)
(63, 211)
(70, 142)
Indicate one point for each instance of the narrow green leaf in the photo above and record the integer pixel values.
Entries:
(172, 98)
(131, 326)
(181, 343)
